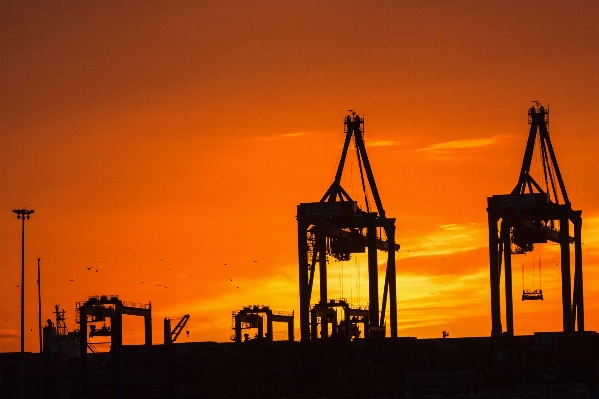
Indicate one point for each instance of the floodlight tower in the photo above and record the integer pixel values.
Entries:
(23, 214)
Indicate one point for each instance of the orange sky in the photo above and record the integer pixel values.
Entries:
(158, 141)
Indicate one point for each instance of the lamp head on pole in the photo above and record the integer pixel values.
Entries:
(23, 213)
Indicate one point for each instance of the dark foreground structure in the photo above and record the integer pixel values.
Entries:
(546, 365)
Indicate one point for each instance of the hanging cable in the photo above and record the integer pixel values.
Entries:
(522, 276)
(340, 283)
(533, 272)
(540, 268)
(358, 279)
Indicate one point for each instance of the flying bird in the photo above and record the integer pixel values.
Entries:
(96, 270)
(89, 268)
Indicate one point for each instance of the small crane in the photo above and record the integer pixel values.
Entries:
(171, 336)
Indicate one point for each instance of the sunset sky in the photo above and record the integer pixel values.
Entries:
(167, 144)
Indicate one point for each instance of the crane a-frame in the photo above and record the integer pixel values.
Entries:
(535, 213)
(335, 226)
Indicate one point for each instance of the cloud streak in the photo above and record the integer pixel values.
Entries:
(448, 146)
(450, 238)
(282, 136)
(8, 335)
(383, 143)
(433, 300)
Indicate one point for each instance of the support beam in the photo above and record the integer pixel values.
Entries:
(564, 228)
(390, 280)
(509, 299)
(304, 309)
(578, 287)
(269, 332)
(322, 263)
(148, 329)
(373, 283)
(167, 331)
(494, 260)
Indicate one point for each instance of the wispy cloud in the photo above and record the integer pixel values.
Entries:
(282, 136)
(590, 234)
(8, 334)
(450, 238)
(383, 143)
(433, 300)
(443, 148)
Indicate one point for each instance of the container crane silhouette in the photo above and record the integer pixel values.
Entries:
(336, 226)
(534, 213)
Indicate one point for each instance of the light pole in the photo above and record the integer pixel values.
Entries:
(23, 214)
(39, 313)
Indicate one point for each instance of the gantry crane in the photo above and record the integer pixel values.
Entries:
(533, 213)
(98, 308)
(250, 317)
(336, 226)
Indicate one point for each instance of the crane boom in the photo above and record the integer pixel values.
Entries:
(171, 336)
(179, 327)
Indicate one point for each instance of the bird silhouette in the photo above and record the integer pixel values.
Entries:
(89, 268)
(96, 270)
